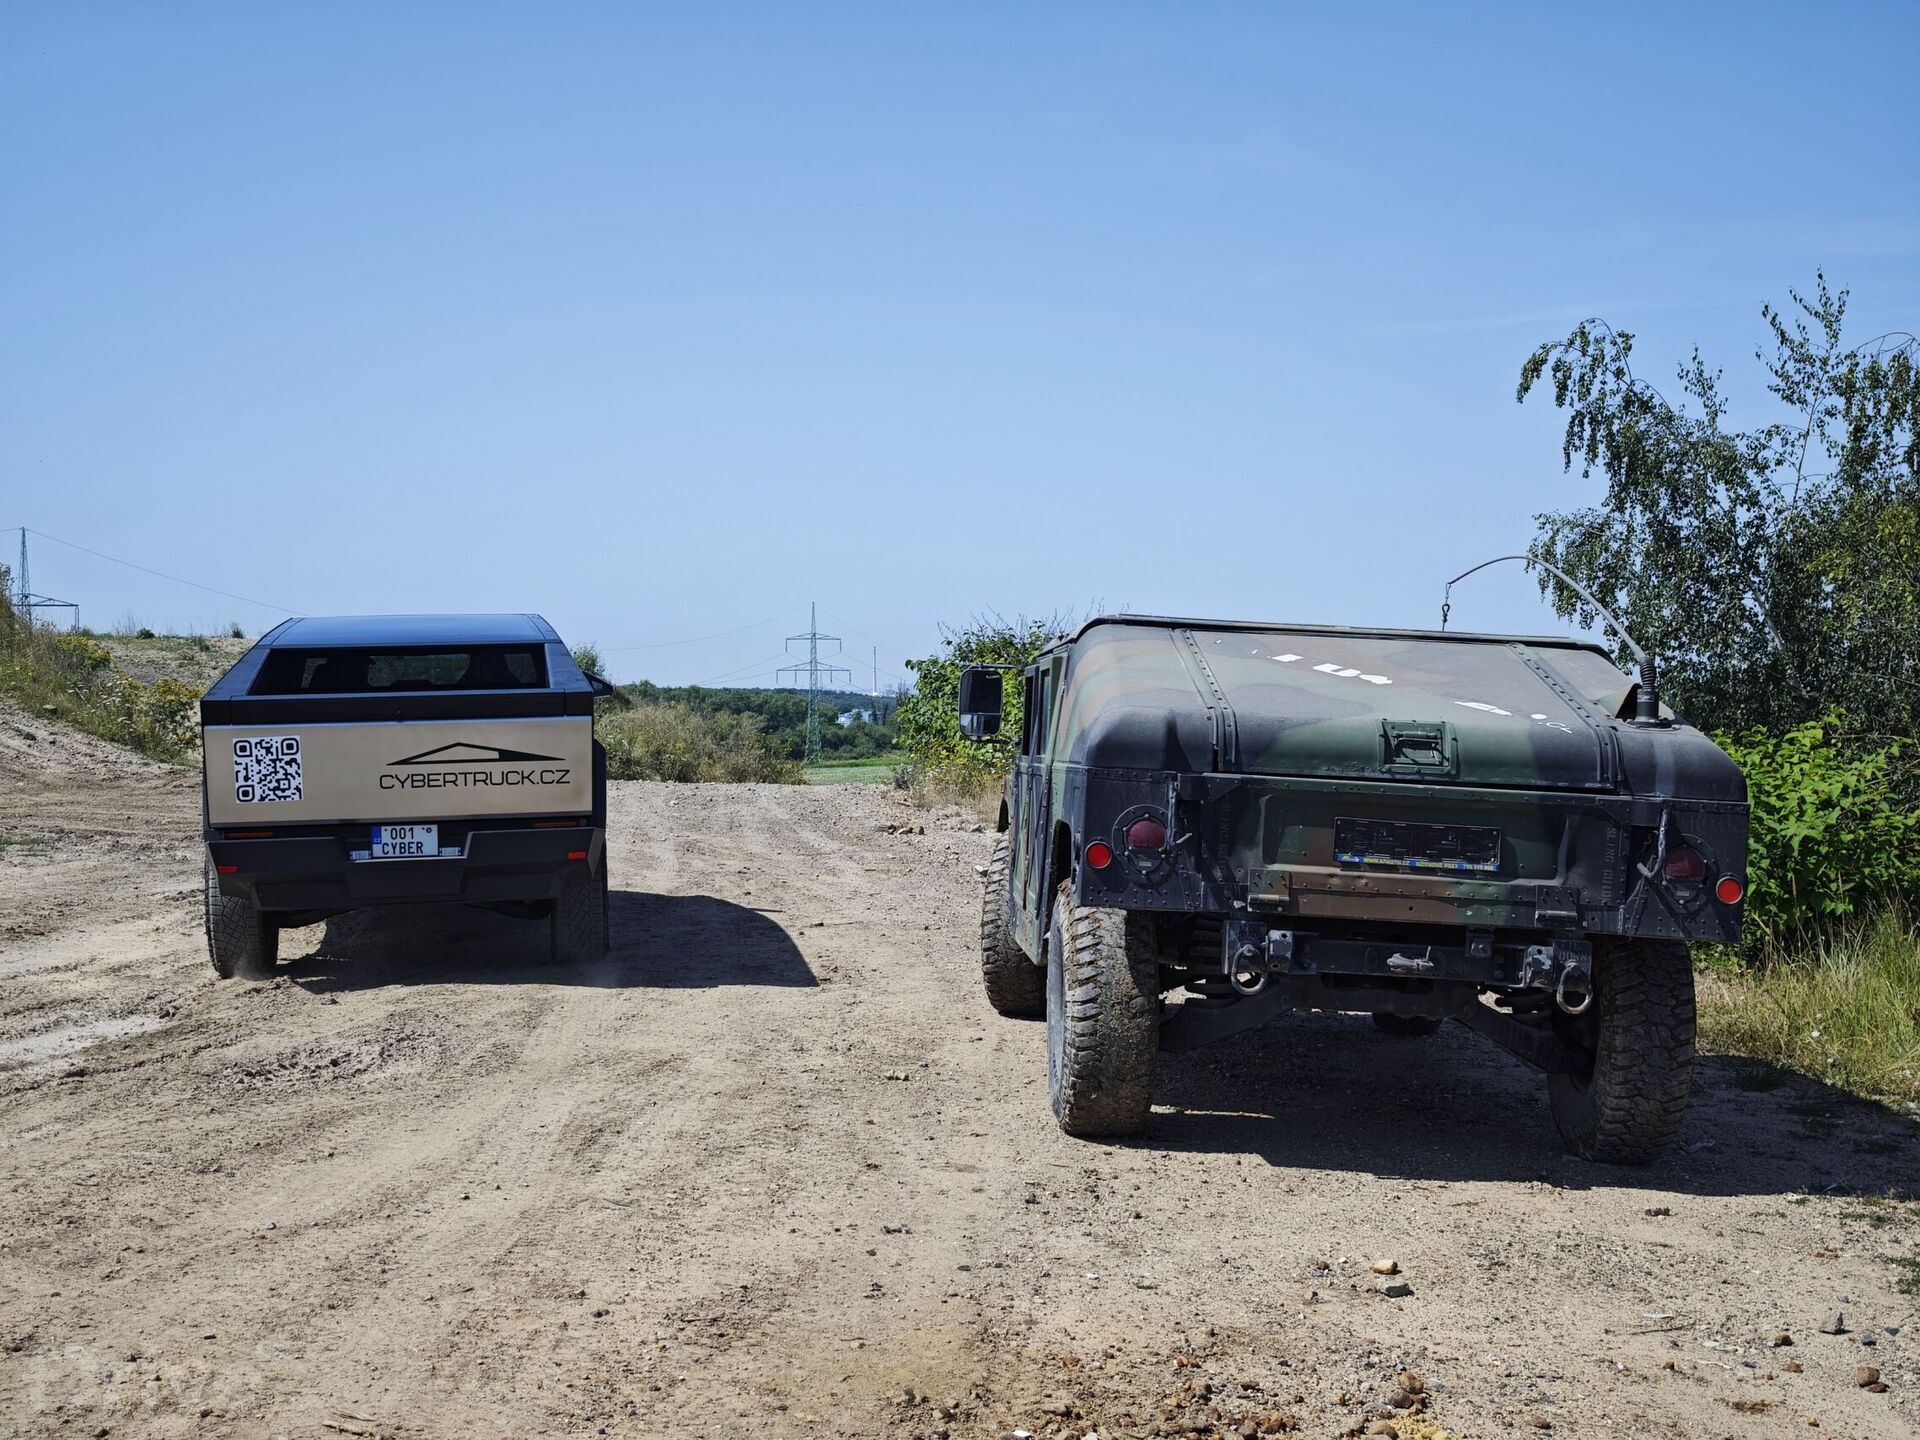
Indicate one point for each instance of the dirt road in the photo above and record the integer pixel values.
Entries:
(774, 1169)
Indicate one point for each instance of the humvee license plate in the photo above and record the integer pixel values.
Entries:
(1416, 847)
(405, 842)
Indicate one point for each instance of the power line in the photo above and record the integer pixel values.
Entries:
(745, 670)
(698, 639)
(161, 574)
(890, 649)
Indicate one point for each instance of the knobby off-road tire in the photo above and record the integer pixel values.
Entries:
(1627, 1107)
(577, 929)
(242, 943)
(1103, 1018)
(1015, 985)
(1406, 1024)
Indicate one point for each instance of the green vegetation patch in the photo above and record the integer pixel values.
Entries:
(668, 741)
(72, 677)
(883, 771)
(1844, 1009)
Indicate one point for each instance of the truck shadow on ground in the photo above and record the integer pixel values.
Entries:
(657, 942)
(1333, 1093)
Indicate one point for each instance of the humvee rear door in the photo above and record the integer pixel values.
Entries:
(1031, 774)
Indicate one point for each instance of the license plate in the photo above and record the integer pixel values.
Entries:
(405, 842)
(1415, 846)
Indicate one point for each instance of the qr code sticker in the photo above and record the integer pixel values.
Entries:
(266, 768)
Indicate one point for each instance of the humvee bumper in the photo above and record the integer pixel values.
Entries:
(1287, 849)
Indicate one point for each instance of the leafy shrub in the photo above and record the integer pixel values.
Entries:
(672, 742)
(1830, 837)
(928, 721)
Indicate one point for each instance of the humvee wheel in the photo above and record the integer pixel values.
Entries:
(577, 929)
(1015, 985)
(242, 943)
(1406, 1024)
(1627, 1104)
(1103, 1018)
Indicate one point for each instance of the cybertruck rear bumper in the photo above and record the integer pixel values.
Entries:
(318, 872)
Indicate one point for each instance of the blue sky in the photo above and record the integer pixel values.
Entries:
(665, 320)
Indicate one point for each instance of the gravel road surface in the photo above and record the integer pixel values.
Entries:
(775, 1169)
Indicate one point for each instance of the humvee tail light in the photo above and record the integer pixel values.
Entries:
(1146, 835)
(1099, 855)
(1730, 891)
(1685, 865)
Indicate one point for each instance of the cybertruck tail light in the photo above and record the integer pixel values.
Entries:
(1730, 890)
(1685, 864)
(1099, 855)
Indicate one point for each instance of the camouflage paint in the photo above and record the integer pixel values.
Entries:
(1252, 741)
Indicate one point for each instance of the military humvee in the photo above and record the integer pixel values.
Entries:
(1255, 818)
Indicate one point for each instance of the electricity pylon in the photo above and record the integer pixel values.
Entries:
(813, 669)
(25, 603)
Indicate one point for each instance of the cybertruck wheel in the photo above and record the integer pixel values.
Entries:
(242, 943)
(1406, 1024)
(1103, 1018)
(577, 929)
(1626, 1104)
(1015, 985)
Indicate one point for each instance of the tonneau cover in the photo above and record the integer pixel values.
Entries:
(1296, 701)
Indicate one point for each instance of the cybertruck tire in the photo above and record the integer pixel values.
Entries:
(1015, 985)
(1103, 1018)
(1411, 1025)
(577, 928)
(242, 943)
(1627, 1105)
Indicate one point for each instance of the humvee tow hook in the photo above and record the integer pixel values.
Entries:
(1566, 969)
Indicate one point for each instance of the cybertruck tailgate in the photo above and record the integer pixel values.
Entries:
(295, 773)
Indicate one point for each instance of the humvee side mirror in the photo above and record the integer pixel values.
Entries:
(981, 702)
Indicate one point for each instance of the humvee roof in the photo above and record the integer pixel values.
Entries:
(1159, 693)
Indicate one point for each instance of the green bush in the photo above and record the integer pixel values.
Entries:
(1831, 835)
(673, 742)
(928, 720)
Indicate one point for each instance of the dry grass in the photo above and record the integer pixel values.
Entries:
(1845, 1010)
(937, 789)
(672, 742)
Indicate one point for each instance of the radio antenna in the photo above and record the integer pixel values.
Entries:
(1647, 703)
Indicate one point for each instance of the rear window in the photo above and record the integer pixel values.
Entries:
(379, 671)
